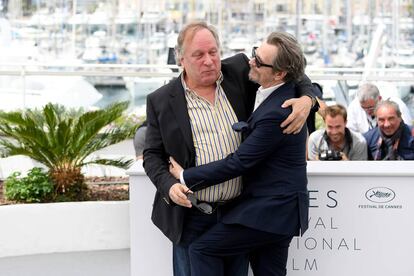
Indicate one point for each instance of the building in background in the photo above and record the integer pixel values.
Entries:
(362, 34)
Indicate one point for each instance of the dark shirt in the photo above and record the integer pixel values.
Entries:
(405, 147)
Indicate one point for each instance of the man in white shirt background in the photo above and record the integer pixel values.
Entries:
(361, 117)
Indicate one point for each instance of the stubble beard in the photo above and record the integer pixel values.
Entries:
(251, 77)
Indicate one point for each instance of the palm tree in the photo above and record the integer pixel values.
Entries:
(63, 143)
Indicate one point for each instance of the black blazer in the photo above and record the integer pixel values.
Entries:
(169, 134)
(273, 165)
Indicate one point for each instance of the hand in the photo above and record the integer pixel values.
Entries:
(344, 157)
(175, 168)
(300, 111)
(178, 193)
(322, 107)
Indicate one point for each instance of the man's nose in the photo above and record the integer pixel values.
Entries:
(208, 60)
(251, 62)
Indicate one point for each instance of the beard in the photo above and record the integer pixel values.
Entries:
(337, 138)
(252, 76)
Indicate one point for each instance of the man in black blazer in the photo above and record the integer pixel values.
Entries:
(273, 206)
(170, 130)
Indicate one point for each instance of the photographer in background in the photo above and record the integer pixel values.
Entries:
(392, 139)
(361, 116)
(336, 141)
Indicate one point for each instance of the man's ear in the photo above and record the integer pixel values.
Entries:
(177, 56)
(180, 62)
(280, 76)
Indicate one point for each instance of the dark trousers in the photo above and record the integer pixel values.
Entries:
(268, 252)
(195, 225)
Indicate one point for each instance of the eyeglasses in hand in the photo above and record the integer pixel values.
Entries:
(204, 207)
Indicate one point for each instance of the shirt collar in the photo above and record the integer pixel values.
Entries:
(263, 93)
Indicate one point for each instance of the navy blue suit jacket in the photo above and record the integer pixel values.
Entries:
(273, 165)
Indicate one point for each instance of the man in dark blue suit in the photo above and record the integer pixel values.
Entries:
(273, 206)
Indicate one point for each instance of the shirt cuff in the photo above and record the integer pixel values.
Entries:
(182, 177)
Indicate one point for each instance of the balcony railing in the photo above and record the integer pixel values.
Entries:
(154, 70)
(25, 82)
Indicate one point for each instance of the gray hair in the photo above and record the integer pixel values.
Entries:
(391, 104)
(188, 32)
(368, 91)
(289, 58)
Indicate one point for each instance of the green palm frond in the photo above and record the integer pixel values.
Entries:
(25, 137)
(107, 138)
(51, 120)
(57, 140)
(95, 122)
(119, 163)
(13, 117)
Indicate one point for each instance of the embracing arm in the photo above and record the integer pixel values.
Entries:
(300, 106)
(266, 136)
(304, 87)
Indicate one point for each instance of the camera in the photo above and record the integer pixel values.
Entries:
(330, 155)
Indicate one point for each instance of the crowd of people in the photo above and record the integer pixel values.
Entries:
(352, 133)
(371, 128)
(226, 148)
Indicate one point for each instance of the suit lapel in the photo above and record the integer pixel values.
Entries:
(280, 92)
(178, 106)
(234, 97)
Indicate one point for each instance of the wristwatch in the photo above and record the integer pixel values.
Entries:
(313, 99)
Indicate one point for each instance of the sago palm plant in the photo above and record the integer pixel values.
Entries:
(63, 143)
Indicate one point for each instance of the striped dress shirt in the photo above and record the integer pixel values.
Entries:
(213, 138)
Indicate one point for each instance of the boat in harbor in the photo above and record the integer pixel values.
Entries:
(36, 91)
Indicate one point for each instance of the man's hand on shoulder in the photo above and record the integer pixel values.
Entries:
(300, 111)
(178, 193)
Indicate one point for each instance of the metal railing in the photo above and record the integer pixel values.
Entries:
(138, 72)
(153, 70)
